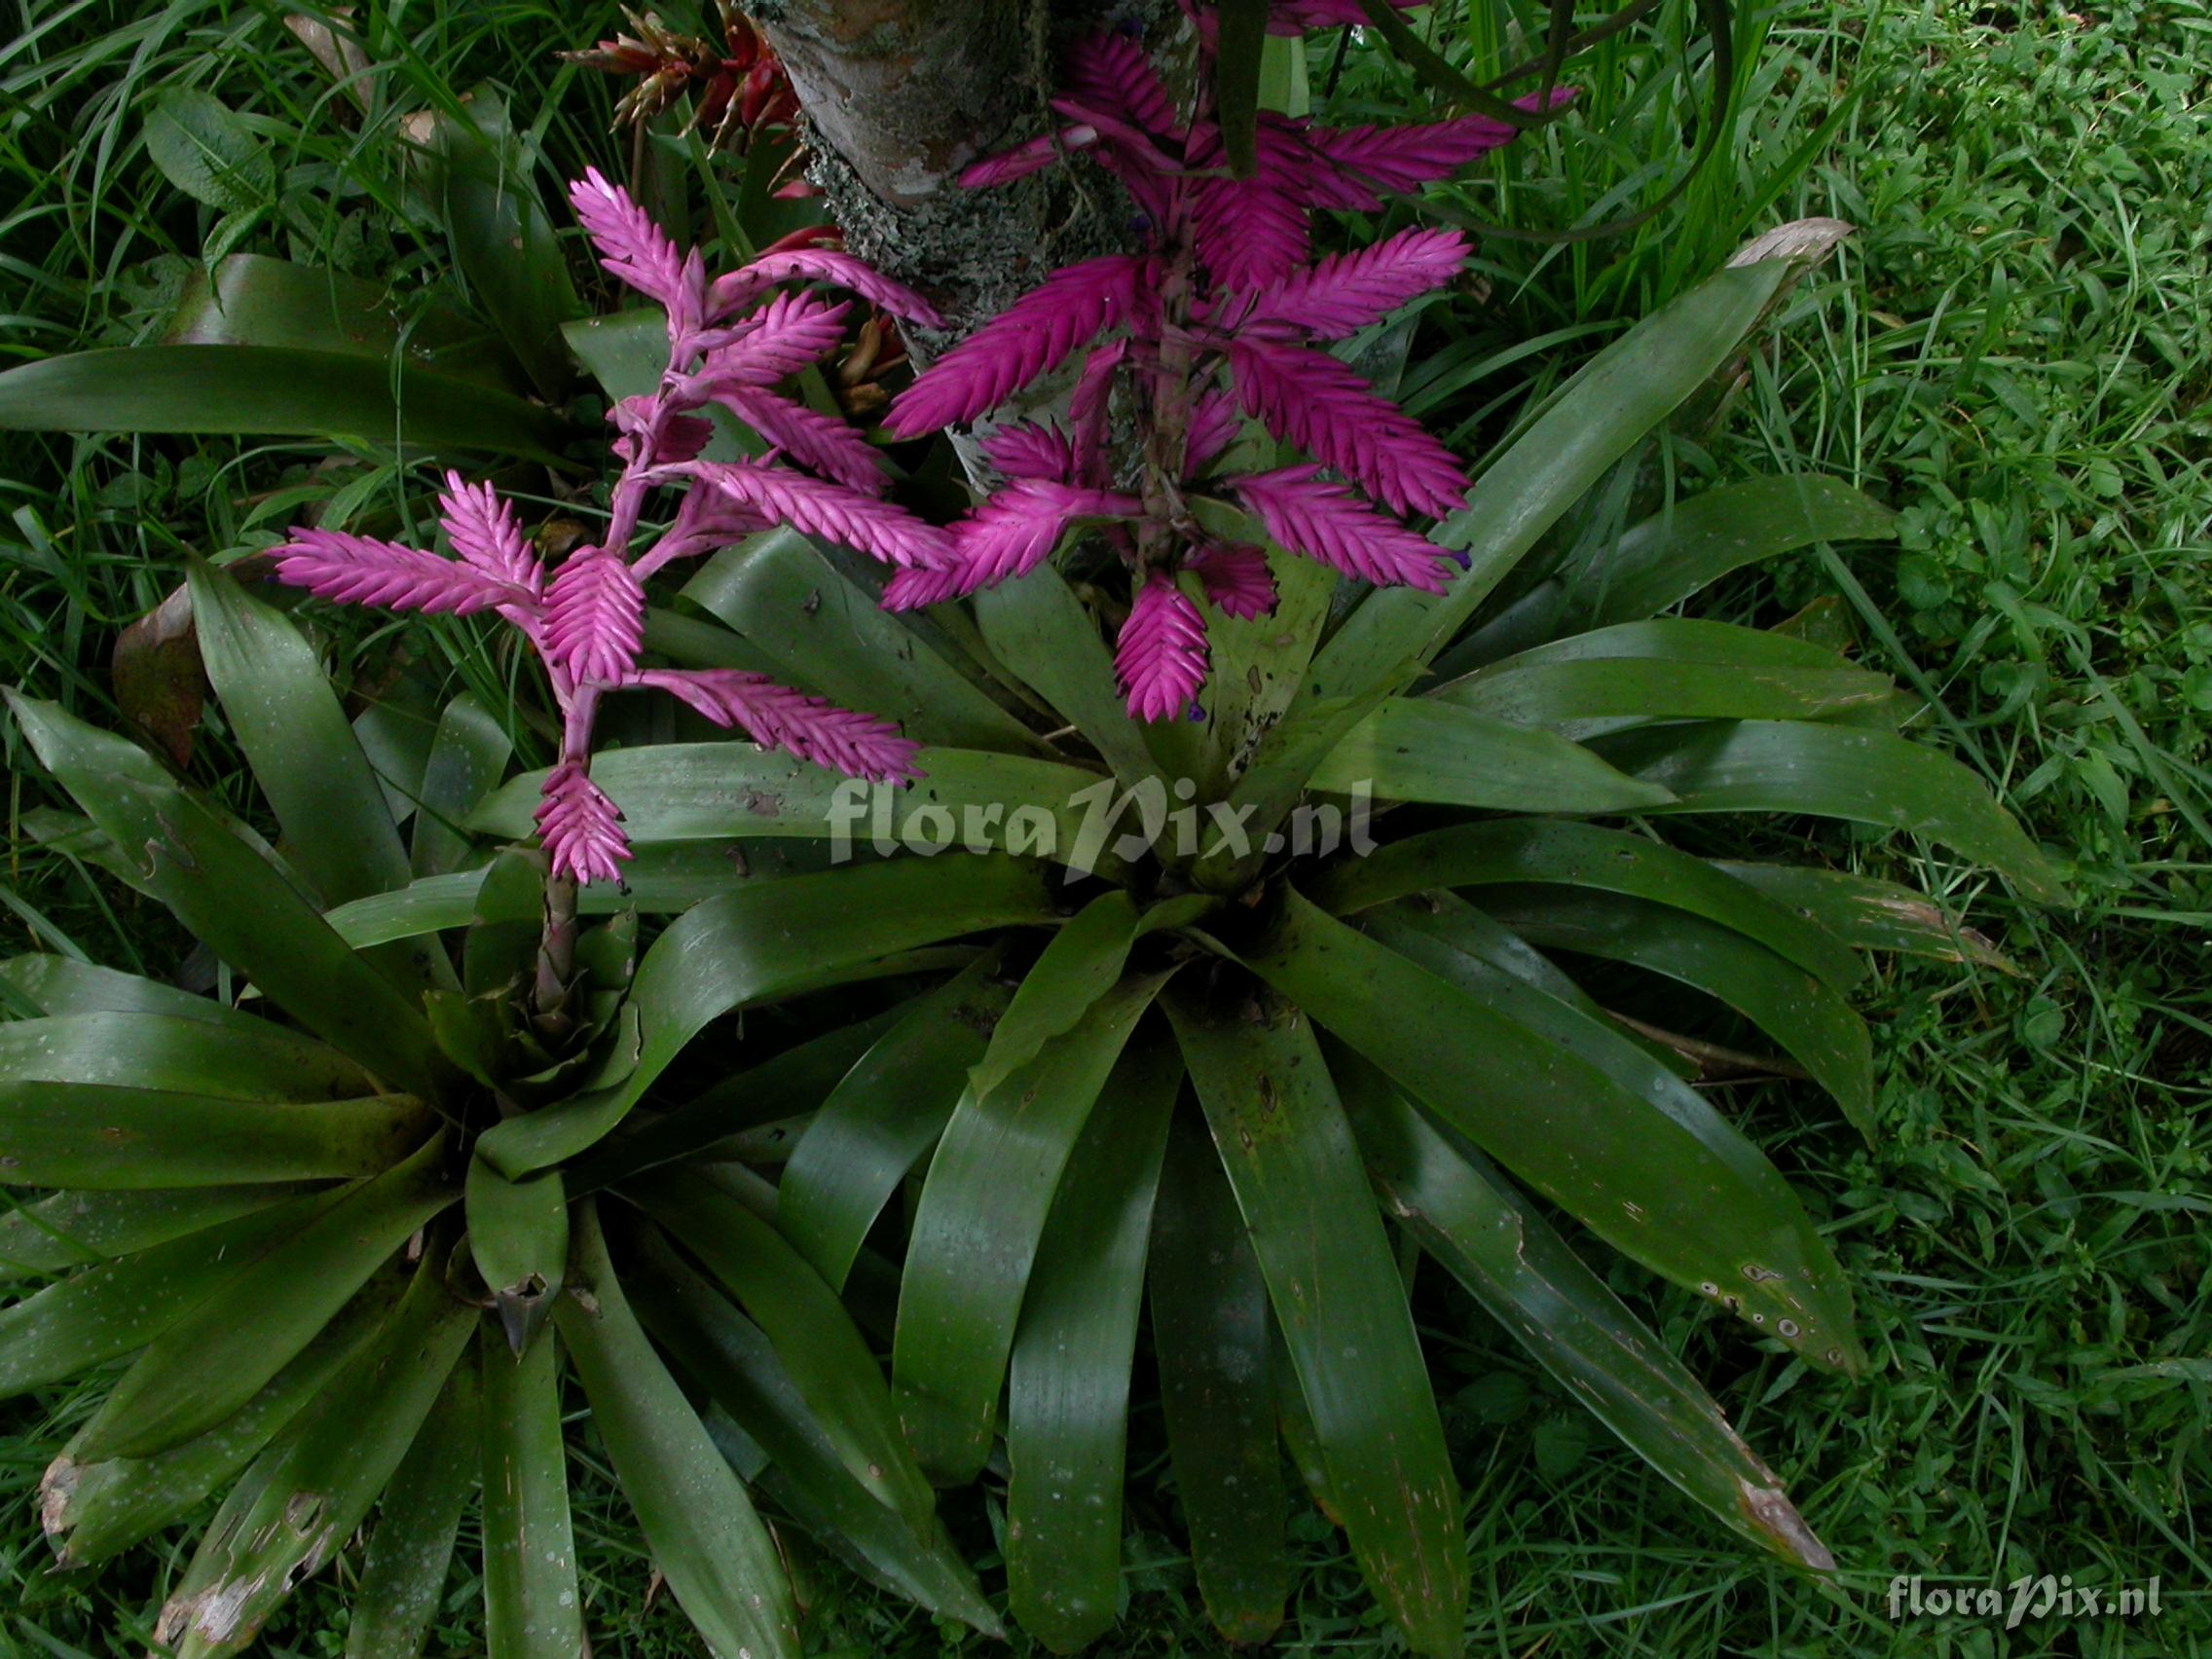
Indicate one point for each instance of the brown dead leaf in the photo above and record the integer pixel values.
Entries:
(159, 684)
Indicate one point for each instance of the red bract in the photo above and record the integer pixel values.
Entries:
(588, 622)
(1222, 315)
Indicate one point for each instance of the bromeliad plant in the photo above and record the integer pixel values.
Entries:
(1200, 1092)
(1210, 1114)
(333, 1220)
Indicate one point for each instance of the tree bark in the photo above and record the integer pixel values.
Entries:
(898, 96)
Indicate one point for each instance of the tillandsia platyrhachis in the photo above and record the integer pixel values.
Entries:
(1218, 320)
(732, 341)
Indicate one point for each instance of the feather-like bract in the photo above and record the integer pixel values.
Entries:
(1161, 654)
(860, 746)
(1013, 533)
(1031, 337)
(1320, 404)
(1236, 578)
(1343, 294)
(358, 569)
(595, 617)
(1324, 520)
(579, 826)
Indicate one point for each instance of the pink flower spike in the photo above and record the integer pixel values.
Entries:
(1346, 292)
(484, 532)
(783, 337)
(595, 617)
(1403, 158)
(630, 244)
(1251, 231)
(1035, 334)
(1325, 521)
(1023, 160)
(1320, 404)
(1160, 655)
(817, 442)
(1110, 72)
(1027, 449)
(579, 827)
(1214, 426)
(819, 265)
(1016, 529)
(357, 569)
(1296, 17)
(858, 745)
(831, 511)
(1237, 579)
(911, 590)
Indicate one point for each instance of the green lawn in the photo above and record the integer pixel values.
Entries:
(2014, 351)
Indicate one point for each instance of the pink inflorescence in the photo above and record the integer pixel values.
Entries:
(732, 342)
(1216, 323)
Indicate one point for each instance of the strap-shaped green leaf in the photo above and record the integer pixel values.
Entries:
(1868, 777)
(786, 1087)
(1583, 856)
(533, 1608)
(305, 1497)
(1670, 555)
(1068, 1380)
(1209, 1334)
(704, 1533)
(411, 1551)
(518, 1232)
(1870, 914)
(1038, 629)
(1080, 964)
(72, 1229)
(466, 757)
(58, 1134)
(338, 833)
(814, 1337)
(824, 634)
(766, 942)
(1421, 749)
(705, 792)
(61, 985)
(276, 392)
(1240, 40)
(981, 1212)
(1580, 1112)
(1467, 1217)
(1577, 696)
(119, 1306)
(93, 1510)
(883, 1116)
(475, 173)
(1334, 1284)
(1813, 1024)
(667, 879)
(216, 1358)
(185, 855)
(231, 1060)
(1610, 404)
(728, 1356)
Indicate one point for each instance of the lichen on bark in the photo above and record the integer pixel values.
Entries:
(898, 96)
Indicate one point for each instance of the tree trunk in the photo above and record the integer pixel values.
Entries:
(900, 95)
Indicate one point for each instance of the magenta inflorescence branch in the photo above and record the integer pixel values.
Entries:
(1216, 323)
(732, 342)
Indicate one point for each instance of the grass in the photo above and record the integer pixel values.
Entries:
(2014, 350)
